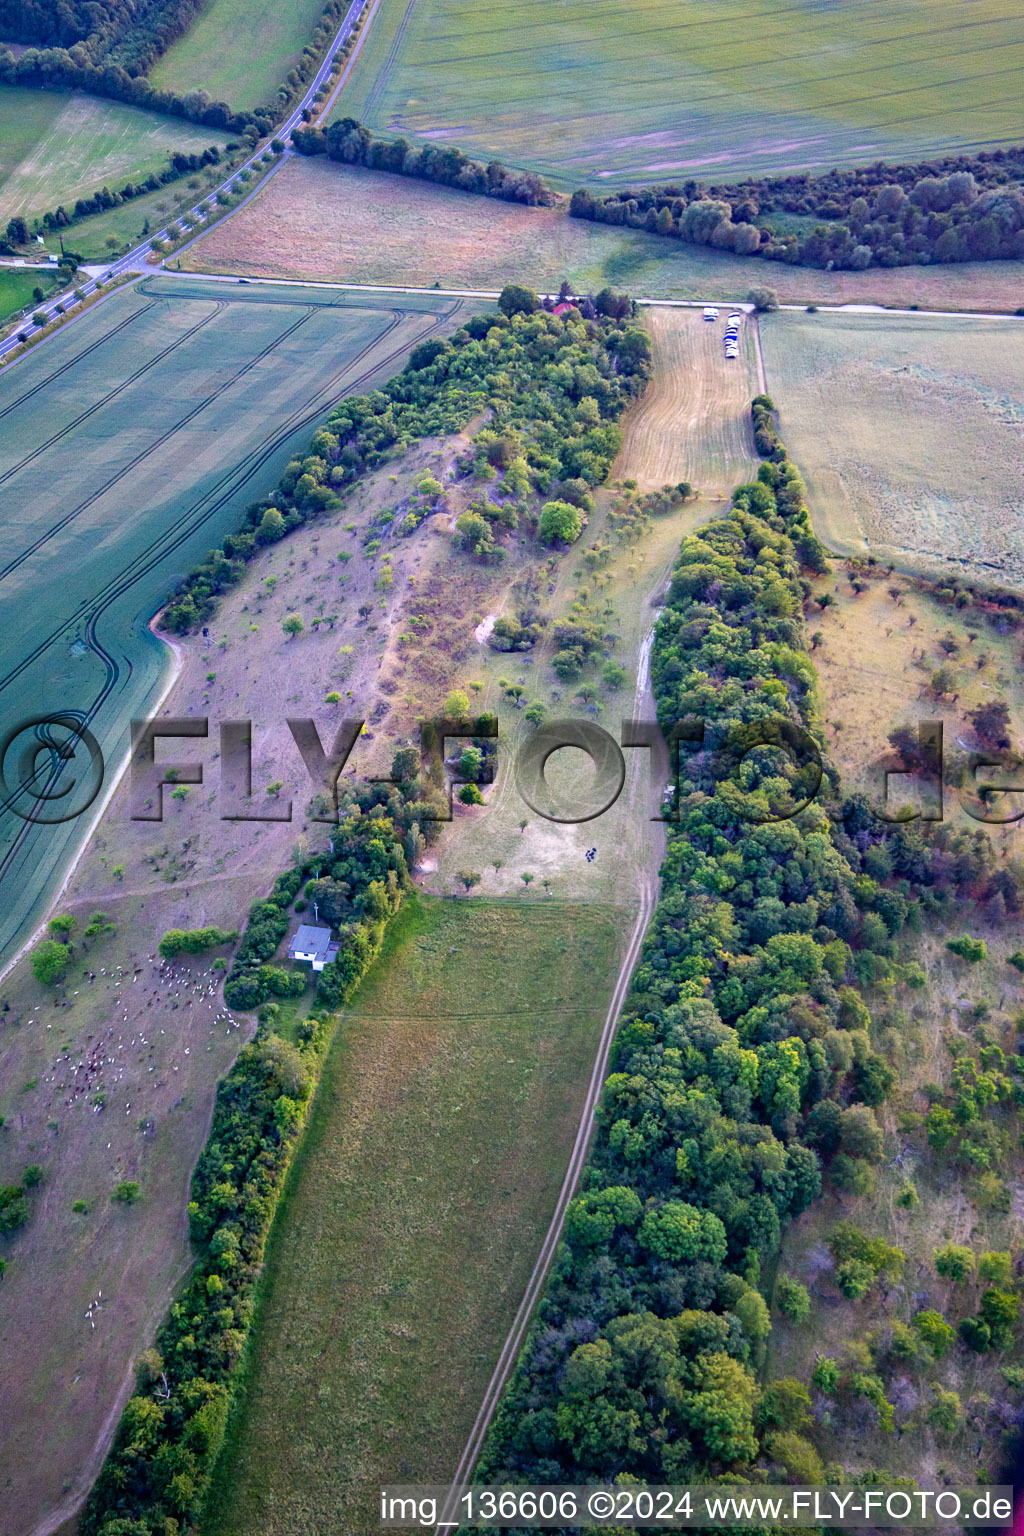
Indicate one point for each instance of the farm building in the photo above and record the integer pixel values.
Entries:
(314, 945)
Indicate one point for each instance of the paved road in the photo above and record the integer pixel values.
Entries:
(135, 260)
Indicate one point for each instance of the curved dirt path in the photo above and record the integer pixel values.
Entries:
(648, 892)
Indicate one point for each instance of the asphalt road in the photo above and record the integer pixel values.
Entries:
(135, 259)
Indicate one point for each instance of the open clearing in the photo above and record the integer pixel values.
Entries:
(910, 433)
(429, 1171)
(675, 88)
(318, 219)
(162, 371)
(238, 52)
(56, 147)
(693, 422)
(16, 288)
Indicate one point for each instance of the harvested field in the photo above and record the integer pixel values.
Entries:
(238, 50)
(56, 147)
(317, 219)
(693, 422)
(430, 1167)
(910, 433)
(668, 89)
(191, 360)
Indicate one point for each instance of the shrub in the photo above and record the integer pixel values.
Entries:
(792, 1299)
(50, 961)
(971, 950)
(126, 1192)
(560, 523)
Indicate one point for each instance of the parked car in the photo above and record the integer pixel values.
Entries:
(710, 313)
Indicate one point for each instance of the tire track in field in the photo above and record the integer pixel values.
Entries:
(383, 74)
(151, 448)
(132, 378)
(172, 539)
(69, 363)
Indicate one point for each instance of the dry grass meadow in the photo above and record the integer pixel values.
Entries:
(320, 220)
(875, 650)
(909, 431)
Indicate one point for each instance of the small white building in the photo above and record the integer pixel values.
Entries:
(314, 945)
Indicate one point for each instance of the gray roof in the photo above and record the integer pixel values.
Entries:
(310, 940)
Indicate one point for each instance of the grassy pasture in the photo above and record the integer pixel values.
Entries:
(16, 288)
(676, 88)
(238, 52)
(132, 442)
(320, 220)
(874, 655)
(908, 430)
(431, 1164)
(56, 147)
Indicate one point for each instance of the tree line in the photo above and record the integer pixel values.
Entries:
(743, 1075)
(111, 59)
(555, 391)
(179, 164)
(353, 144)
(970, 208)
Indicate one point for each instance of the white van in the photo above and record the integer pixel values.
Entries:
(710, 313)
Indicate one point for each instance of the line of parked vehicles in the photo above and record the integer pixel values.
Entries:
(732, 329)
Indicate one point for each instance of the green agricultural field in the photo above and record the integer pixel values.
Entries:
(239, 52)
(132, 441)
(56, 147)
(431, 1165)
(675, 88)
(17, 288)
(908, 431)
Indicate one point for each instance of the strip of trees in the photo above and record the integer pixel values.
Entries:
(107, 50)
(555, 388)
(743, 1074)
(967, 208)
(353, 144)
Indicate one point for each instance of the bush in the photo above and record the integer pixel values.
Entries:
(50, 961)
(560, 523)
(127, 1192)
(971, 950)
(792, 1299)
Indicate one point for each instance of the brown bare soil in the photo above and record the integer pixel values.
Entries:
(317, 219)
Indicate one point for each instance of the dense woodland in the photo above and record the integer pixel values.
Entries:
(353, 144)
(743, 1075)
(554, 389)
(969, 208)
